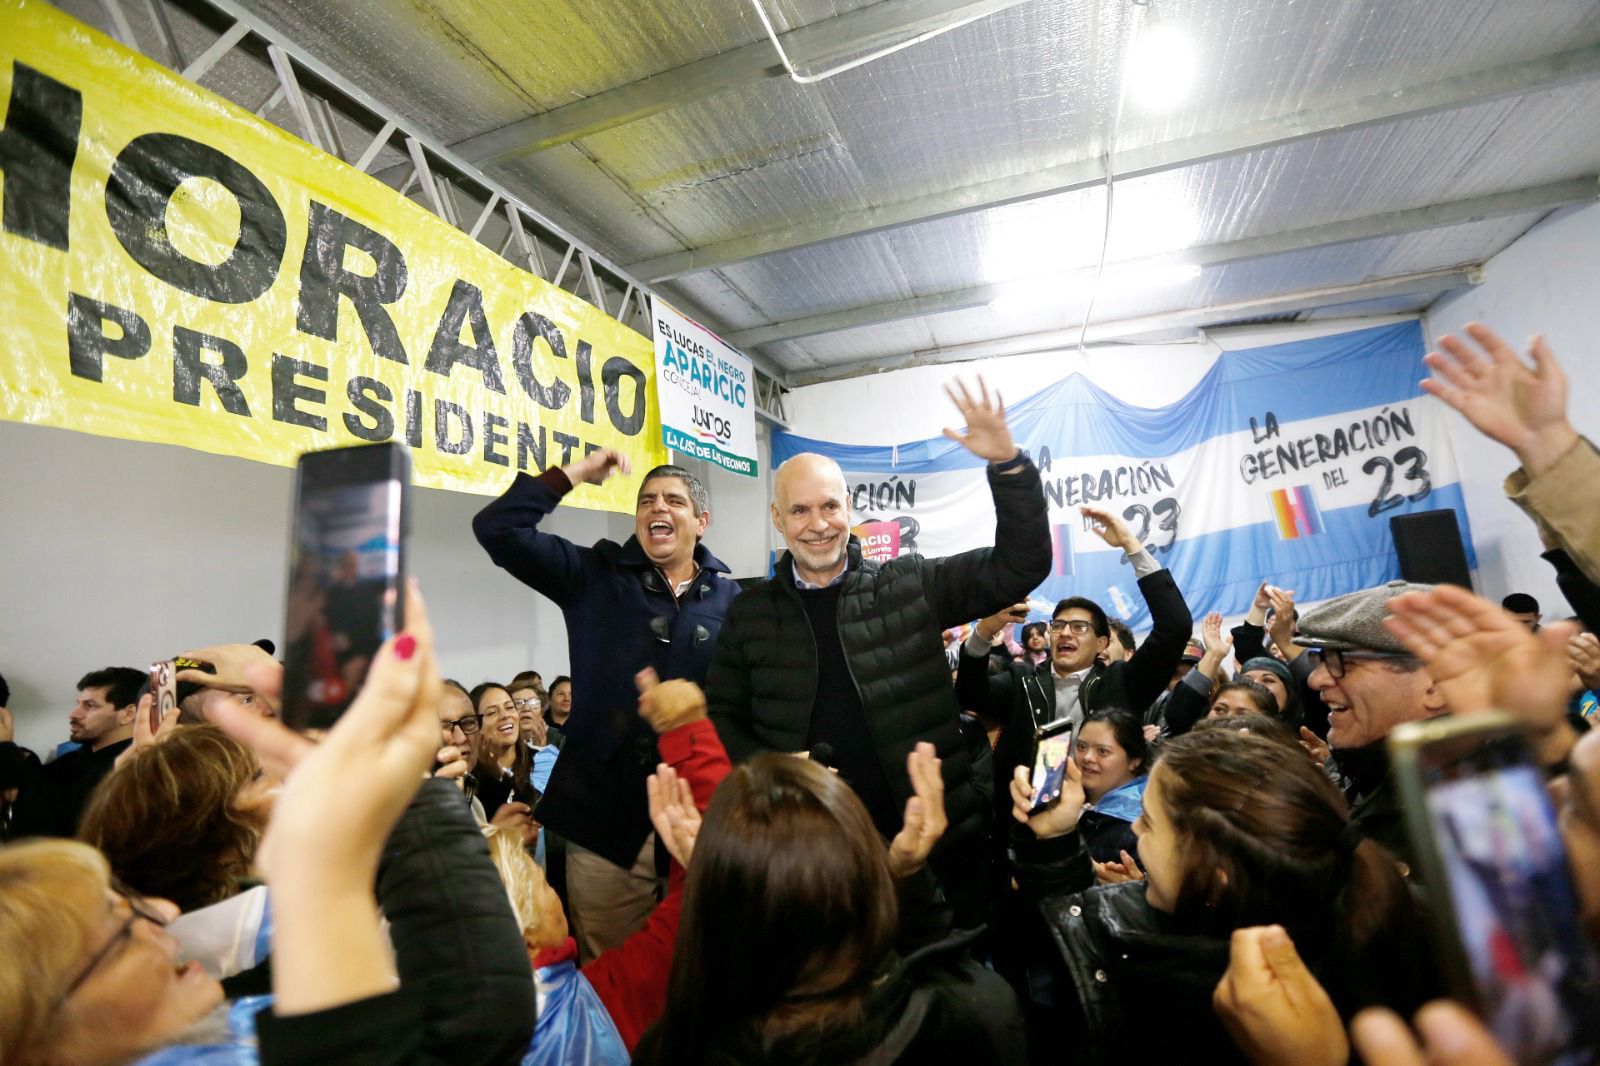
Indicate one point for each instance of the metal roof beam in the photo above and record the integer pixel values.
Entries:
(1430, 282)
(1386, 224)
(1513, 79)
(852, 33)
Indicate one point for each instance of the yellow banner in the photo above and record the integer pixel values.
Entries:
(174, 269)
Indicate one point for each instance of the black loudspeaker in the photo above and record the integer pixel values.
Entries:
(1428, 544)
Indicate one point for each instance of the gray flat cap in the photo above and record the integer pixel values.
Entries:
(1353, 622)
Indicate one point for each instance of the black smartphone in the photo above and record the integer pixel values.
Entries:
(1506, 923)
(1053, 749)
(346, 576)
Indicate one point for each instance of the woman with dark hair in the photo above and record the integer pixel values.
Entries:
(181, 819)
(1237, 831)
(1113, 759)
(1242, 696)
(1035, 643)
(788, 859)
(1272, 675)
(505, 766)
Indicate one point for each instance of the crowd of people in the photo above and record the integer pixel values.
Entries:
(800, 823)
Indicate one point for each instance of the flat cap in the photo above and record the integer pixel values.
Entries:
(1354, 622)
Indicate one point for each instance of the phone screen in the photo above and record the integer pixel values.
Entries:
(164, 692)
(1516, 912)
(344, 581)
(1050, 770)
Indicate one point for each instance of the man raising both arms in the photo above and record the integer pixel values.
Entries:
(656, 601)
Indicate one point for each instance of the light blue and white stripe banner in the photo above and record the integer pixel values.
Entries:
(1285, 462)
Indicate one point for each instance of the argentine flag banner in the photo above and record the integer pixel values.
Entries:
(1285, 463)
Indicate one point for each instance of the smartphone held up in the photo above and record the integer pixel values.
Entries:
(346, 575)
(1506, 926)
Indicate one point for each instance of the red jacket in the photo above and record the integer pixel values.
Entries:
(631, 980)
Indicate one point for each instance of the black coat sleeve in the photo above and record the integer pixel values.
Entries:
(1050, 867)
(977, 583)
(1185, 707)
(466, 986)
(989, 696)
(508, 529)
(1249, 642)
(1149, 669)
(1581, 593)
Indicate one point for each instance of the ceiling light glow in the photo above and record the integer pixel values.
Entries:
(1062, 290)
(1161, 67)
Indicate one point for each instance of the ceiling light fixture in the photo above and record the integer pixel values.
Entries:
(1058, 290)
(1161, 66)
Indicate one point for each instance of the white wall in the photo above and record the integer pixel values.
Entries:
(1544, 282)
(114, 553)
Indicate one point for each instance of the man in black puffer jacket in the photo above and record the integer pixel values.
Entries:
(846, 653)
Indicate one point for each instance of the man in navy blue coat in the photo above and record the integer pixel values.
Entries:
(659, 600)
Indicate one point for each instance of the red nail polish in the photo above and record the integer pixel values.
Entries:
(406, 646)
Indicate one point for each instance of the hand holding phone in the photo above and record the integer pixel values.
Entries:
(1507, 930)
(346, 573)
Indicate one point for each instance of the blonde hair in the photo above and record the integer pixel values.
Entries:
(52, 904)
(521, 876)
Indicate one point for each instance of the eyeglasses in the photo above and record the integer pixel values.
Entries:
(1336, 660)
(528, 703)
(1079, 628)
(468, 724)
(138, 910)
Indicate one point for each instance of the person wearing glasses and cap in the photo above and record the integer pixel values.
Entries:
(1369, 684)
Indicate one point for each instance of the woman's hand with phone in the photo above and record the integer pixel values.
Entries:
(1058, 819)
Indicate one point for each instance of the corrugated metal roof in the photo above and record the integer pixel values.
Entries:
(1034, 86)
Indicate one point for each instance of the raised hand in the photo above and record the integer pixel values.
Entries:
(673, 812)
(1272, 1006)
(1115, 873)
(143, 735)
(1058, 819)
(1282, 628)
(1112, 528)
(666, 705)
(1521, 407)
(1451, 1036)
(1583, 655)
(1016, 613)
(987, 436)
(595, 467)
(1212, 634)
(925, 820)
(1315, 746)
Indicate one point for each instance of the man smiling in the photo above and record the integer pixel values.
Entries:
(842, 656)
(1370, 684)
(659, 599)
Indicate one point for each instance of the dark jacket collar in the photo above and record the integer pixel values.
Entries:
(633, 555)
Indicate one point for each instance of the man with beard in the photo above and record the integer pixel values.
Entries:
(841, 656)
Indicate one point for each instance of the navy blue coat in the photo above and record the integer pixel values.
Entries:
(621, 618)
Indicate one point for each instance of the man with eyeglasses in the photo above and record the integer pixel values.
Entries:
(1370, 684)
(660, 599)
(1075, 681)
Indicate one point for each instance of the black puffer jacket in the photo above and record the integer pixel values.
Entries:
(763, 679)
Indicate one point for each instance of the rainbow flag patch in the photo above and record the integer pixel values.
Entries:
(1296, 512)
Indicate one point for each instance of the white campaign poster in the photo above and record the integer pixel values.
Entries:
(707, 392)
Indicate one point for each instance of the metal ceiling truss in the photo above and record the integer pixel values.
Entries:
(1306, 238)
(1513, 79)
(320, 100)
(1426, 283)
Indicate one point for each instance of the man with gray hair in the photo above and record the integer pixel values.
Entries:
(656, 601)
(1370, 684)
(842, 657)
